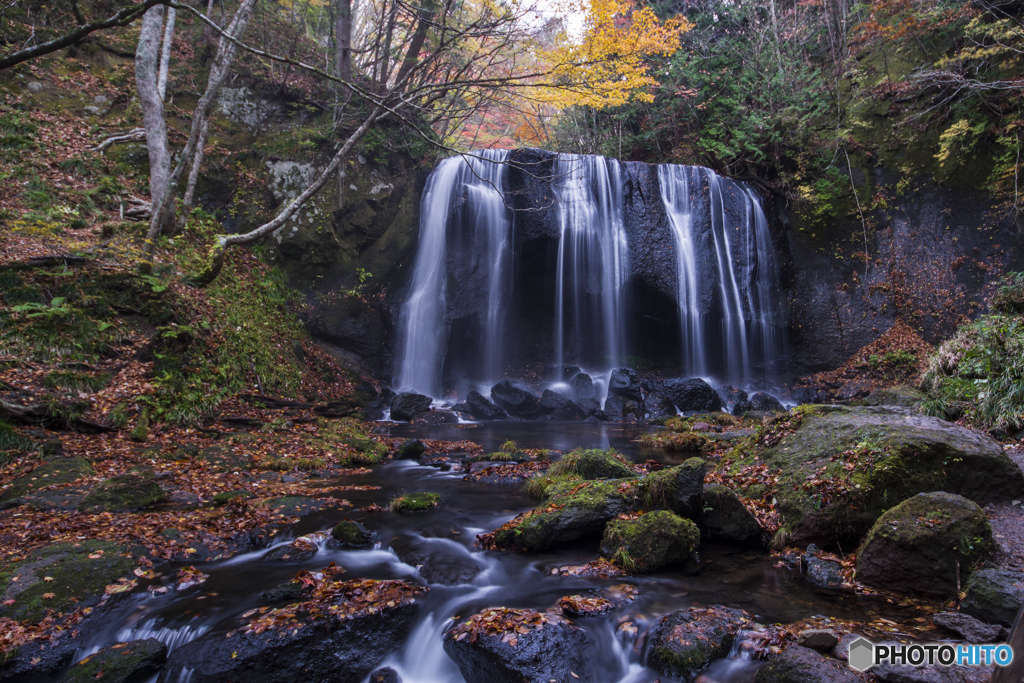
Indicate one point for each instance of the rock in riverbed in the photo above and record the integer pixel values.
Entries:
(502, 645)
(688, 640)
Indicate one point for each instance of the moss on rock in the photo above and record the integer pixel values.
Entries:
(350, 534)
(415, 502)
(50, 473)
(649, 542)
(123, 493)
(61, 577)
(725, 517)
(687, 641)
(994, 596)
(840, 467)
(593, 463)
(926, 544)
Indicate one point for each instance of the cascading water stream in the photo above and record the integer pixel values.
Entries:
(736, 314)
(463, 192)
(592, 251)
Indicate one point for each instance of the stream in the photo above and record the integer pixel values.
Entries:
(438, 550)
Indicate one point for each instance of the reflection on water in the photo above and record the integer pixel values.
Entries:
(437, 549)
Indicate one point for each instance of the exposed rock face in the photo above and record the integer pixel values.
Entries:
(482, 409)
(799, 664)
(518, 646)
(132, 662)
(653, 540)
(687, 641)
(344, 643)
(894, 456)
(517, 399)
(926, 544)
(692, 395)
(966, 626)
(724, 516)
(994, 596)
(407, 405)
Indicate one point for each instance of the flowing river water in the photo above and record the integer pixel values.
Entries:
(438, 549)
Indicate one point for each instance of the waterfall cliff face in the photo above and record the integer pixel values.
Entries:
(528, 258)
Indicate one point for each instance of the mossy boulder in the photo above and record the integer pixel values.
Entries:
(411, 449)
(123, 493)
(994, 596)
(79, 573)
(688, 640)
(418, 501)
(925, 545)
(368, 451)
(724, 516)
(840, 467)
(593, 463)
(577, 508)
(132, 662)
(350, 534)
(223, 459)
(651, 541)
(50, 473)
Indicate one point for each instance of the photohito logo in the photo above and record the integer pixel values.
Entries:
(864, 654)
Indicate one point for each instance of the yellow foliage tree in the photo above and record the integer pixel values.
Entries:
(607, 68)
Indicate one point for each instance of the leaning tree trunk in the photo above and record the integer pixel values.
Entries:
(147, 58)
(165, 54)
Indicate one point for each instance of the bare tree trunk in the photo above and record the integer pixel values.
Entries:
(146, 58)
(162, 220)
(165, 55)
(225, 241)
(193, 176)
(343, 53)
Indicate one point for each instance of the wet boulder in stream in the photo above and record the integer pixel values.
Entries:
(724, 516)
(692, 395)
(516, 399)
(656, 406)
(688, 640)
(651, 541)
(501, 645)
(625, 382)
(482, 409)
(759, 403)
(407, 404)
(341, 634)
(799, 664)
(132, 662)
(559, 407)
(583, 386)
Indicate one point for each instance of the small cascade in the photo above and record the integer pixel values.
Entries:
(726, 274)
(592, 252)
(463, 200)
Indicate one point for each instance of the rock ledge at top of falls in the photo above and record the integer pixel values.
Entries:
(341, 634)
(892, 456)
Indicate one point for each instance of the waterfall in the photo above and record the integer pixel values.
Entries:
(575, 308)
(726, 274)
(463, 193)
(592, 253)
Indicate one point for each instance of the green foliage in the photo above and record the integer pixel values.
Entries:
(979, 374)
(11, 440)
(509, 447)
(17, 135)
(415, 502)
(1009, 297)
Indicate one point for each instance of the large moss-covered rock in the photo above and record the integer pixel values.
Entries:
(688, 640)
(902, 396)
(593, 463)
(123, 493)
(679, 488)
(518, 646)
(842, 467)
(799, 664)
(649, 542)
(994, 596)
(926, 544)
(132, 662)
(418, 501)
(78, 574)
(350, 534)
(724, 516)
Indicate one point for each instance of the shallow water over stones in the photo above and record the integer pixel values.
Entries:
(436, 548)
